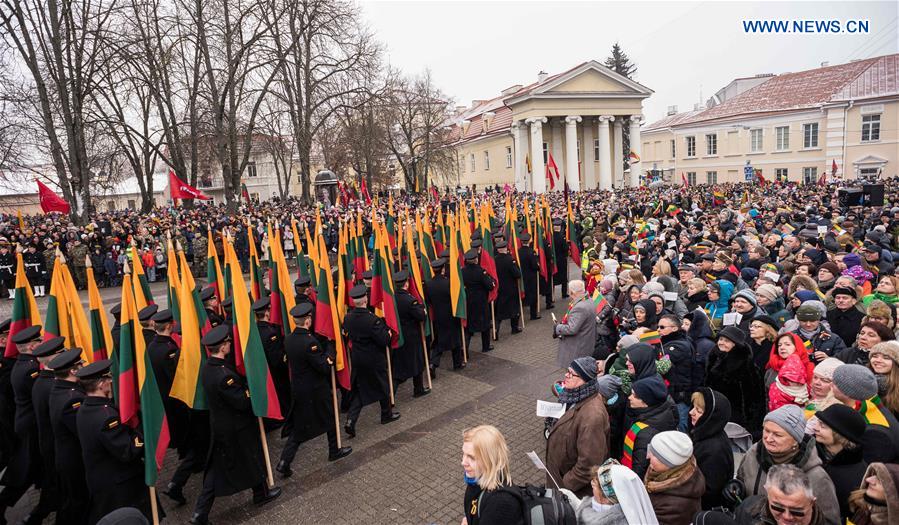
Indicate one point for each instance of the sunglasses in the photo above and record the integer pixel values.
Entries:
(777, 509)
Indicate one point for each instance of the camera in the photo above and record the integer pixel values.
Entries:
(629, 324)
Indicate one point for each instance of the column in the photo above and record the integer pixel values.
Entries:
(557, 151)
(618, 154)
(538, 169)
(636, 147)
(589, 158)
(605, 153)
(518, 179)
(571, 167)
(521, 157)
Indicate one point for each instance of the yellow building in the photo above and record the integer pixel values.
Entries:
(507, 139)
(793, 126)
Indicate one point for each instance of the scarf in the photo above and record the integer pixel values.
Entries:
(809, 335)
(799, 393)
(662, 481)
(601, 508)
(569, 398)
(883, 384)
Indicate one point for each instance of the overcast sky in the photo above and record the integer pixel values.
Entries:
(475, 49)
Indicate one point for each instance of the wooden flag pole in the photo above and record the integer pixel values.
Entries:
(520, 310)
(493, 318)
(154, 510)
(464, 346)
(538, 293)
(424, 347)
(390, 378)
(334, 401)
(268, 461)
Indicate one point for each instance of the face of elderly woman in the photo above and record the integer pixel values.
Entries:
(776, 439)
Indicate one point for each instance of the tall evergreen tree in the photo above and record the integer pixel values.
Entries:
(620, 63)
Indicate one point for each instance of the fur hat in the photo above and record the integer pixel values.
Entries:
(887, 348)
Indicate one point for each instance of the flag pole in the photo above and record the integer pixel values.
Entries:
(520, 309)
(268, 461)
(538, 294)
(390, 376)
(154, 510)
(334, 402)
(493, 319)
(424, 347)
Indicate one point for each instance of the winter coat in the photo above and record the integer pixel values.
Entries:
(846, 470)
(854, 356)
(577, 442)
(697, 300)
(760, 352)
(734, 375)
(718, 308)
(587, 515)
(824, 341)
(686, 372)
(792, 370)
(711, 447)
(577, 333)
(676, 497)
(775, 362)
(845, 323)
(754, 470)
(700, 333)
(777, 310)
(659, 418)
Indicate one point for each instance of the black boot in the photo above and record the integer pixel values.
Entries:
(175, 493)
(340, 453)
(390, 418)
(433, 372)
(283, 468)
(267, 496)
(423, 392)
(350, 428)
(199, 519)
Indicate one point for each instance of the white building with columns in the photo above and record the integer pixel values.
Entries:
(576, 118)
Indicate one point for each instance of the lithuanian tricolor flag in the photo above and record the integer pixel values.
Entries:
(65, 315)
(282, 299)
(302, 261)
(327, 318)
(382, 293)
(652, 338)
(24, 308)
(142, 294)
(101, 337)
(213, 269)
(488, 257)
(186, 385)
(173, 282)
(257, 288)
(457, 287)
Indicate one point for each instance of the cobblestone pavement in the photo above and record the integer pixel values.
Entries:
(407, 472)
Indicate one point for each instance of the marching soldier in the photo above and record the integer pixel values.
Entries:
(212, 306)
(66, 398)
(7, 404)
(561, 252)
(530, 269)
(145, 316)
(116, 312)
(7, 268)
(113, 451)
(35, 268)
(369, 339)
(40, 398)
(313, 407)
(478, 284)
(273, 345)
(447, 327)
(508, 273)
(408, 360)
(301, 287)
(235, 460)
(164, 355)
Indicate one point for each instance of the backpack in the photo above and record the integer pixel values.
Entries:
(540, 506)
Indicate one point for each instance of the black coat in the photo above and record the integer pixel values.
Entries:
(711, 447)
(686, 370)
(164, 354)
(40, 398)
(409, 360)
(846, 470)
(446, 327)
(660, 418)
(113, 454)
(273, 345)
(560, 245)
(310, 384)
(478, 284)
(235, 458)
(369, 340)
(735, 375)
(7, 410)
(845, 324)
(530, 269)
(25, 464)
(66, 399)
(508, 273)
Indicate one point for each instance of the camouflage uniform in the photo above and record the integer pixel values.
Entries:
(199, 249)
(76, 260)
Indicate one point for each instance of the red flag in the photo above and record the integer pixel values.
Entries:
(50, 201)
(182, 190)
(552, 171)
(365, 193)
(833, 168)
(759, 177)
(683, 178)
(822, 180)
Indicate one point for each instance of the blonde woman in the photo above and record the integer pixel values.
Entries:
(485, 462)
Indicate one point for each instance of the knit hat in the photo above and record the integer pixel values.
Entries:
(748, 295)
(768, 320)
(887, 348)
(584, 367)
(671, 447)
(805, 295)
(827, 367)
(651, 390)
(852, 259)
(768, 291)
(856, 381)
(653, 286)
(845, 291)
(608, 386)
(808, 312)
(791, 419)
(831, 267)
(844, 421)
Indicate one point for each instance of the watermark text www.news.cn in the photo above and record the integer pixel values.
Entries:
(807, 26)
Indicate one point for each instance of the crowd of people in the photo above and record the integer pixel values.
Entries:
(699, 321)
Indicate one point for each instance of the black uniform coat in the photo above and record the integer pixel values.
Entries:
(446, 327)
(561, 247)
(164, 354)
(409, 360)
(530, 269)
(114, 456)
(34, 266)
(214, 318)
(273, 345)
(508, 273)
(7, 411)
(369, 340)
(310, 384)
(25, 465)
(235, 458)
(40, 399)
(478, 284)
(66, 399)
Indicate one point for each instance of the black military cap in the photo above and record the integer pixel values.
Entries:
(228, 302)
(49, 347)
(401, 277)
(367, 274)
(438, 263)
(525, 237)
(261, 304)
(358, 291)
(476, 235)
(4, 326)
(477, 243)
(502, 244)
(27, 334)
(116, 310)
(207, 293)
(302, 310)
(216, 336)
(471, 255)
(162, 316)
(302, 281)
(147, 312)
(95, 370)
(65, 360)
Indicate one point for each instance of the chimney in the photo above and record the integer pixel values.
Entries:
(697, 106)
(825, 64)
(487, 118)
(465, 124)
(672, 110)
(461, 109)
(475, 103)
(541, 76)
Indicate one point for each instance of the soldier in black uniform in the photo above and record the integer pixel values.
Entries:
(66, 398)
(300, 286)
(530, 271)
(508, 274)
(145, 316)
(235, 460)
(116, 329)
(313, 407)
(7, 403)
(369, 339)
(478, 284)
(560, 245)
(7, 269)
(447, 328)
(273, 345)
(212, 306)
(409, 360)
(35, 267)
(112, 452)
(40, 399)
(164, 355)
(25, 464)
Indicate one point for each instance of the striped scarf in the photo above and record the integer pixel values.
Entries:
(627, 458)
(871, 411)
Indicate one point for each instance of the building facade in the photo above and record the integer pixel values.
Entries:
(512, 138)
(793, 127)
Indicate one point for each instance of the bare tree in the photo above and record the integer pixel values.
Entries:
(275, 139)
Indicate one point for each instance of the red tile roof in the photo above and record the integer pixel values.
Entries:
(671, 120)
(880, 79)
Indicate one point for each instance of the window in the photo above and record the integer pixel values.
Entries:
(870, 128)
(691, 178)
(780, 174)
(471, 161)
(462, 162)
(251, 169)
(132, 204)
(711, 144)
(711, 177)
(691, 146)
(673, 148)
(254, 197)
(809, 175)
(868, 172)
(486, 160)
(545, 153)
(755, 140)
(782, 134)
(596, 150)
(110, 205)
(810, 135)
(508, 156)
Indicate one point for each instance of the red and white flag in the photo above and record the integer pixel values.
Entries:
(552, 171)
(182, 190)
